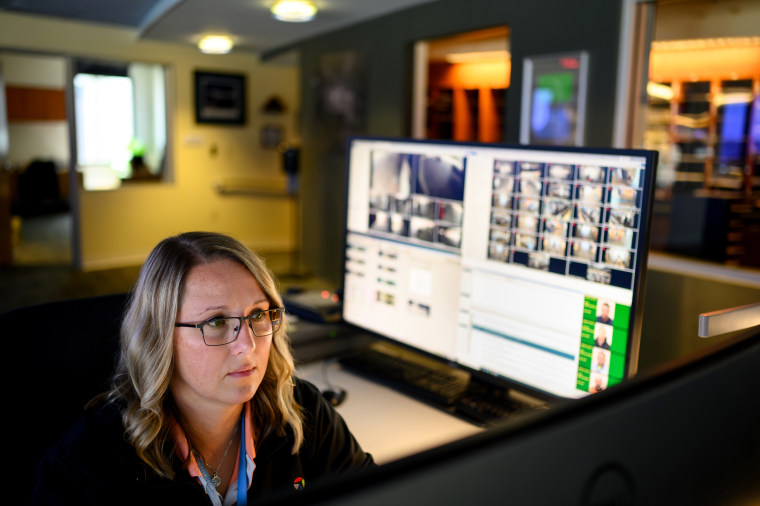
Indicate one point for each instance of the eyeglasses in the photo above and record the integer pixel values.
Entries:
(222, 330)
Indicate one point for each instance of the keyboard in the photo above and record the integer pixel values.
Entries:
(434, 384)
(484, 405)
(450, 389)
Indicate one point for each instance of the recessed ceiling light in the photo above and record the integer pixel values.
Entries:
(294, 11)
(215, 44)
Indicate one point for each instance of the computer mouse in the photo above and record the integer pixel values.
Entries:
(333, 397)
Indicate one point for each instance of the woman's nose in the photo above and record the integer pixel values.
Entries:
(246, 339)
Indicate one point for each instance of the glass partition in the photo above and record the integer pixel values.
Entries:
(121, 125)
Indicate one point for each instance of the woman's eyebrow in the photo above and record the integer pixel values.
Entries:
(262, 301)
(223, 307)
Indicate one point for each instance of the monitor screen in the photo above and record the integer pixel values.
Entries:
(523, 265)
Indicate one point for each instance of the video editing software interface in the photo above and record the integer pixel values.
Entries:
(517, 262)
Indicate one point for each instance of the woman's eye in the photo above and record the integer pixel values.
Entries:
(257, 317)
(217, 323)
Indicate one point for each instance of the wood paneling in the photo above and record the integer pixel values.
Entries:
(35, 104)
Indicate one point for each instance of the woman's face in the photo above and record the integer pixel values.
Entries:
(218, 376)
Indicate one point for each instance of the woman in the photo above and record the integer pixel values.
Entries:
(204, 407)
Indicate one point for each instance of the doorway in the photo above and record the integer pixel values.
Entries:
(460, 86)
(36, 160)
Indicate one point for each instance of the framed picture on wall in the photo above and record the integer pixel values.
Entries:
(554, 99)
(220, 98)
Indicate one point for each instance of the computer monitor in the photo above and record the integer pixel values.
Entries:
(523, 265)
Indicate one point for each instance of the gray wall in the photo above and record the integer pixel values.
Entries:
(537, 27)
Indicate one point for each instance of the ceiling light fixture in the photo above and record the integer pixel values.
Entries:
(215, 44)
(294, 11)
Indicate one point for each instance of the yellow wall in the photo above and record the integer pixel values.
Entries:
(120, 227)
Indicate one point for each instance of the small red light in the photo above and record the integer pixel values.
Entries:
(569, 63)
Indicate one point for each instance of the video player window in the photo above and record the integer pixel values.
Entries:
(422, 229)
(498, 246)
(380, 221)
(619, 236)
(450, 236)
(527, 222)
(554, 244)
(501, 218)
(530, 179)
(555, 227)
(391, 173)
(441, 176)
(618, 257)
(588, 214)
(627, 177)
(424, 207)
(380, 202)
(538, 261)
(560, 190)
(528, 205)
(590, 194)
(626, 218)
(591, 174)
(623, 197)
(503, 184)
(399, 225)
(525, 241)
(450, 212)
(561, 172)
(588, 232)
(584, 250)
(401, 206)
(560, 209)
(502, 200)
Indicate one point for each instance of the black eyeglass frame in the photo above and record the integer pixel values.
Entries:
(275, 327)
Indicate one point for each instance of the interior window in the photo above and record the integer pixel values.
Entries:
(120, 122)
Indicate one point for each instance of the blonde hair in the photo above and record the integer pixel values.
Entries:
(146, 362)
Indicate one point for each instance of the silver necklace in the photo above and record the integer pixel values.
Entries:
(216, 480)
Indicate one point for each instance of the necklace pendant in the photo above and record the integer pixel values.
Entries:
(216, 480)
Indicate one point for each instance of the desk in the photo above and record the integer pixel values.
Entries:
(387, 423)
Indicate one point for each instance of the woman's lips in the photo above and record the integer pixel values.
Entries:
(243, 373)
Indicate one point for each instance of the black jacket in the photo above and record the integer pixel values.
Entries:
(94, 464)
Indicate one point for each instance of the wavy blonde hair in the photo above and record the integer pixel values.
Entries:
(146, 363)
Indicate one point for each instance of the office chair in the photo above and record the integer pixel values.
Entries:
(60, 356)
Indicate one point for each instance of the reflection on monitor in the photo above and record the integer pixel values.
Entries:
(527, 260)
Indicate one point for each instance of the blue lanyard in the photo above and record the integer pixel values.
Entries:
(210, 490)
(242, 489)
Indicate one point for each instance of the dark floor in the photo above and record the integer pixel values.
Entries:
(28, 285)
(42, 270)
